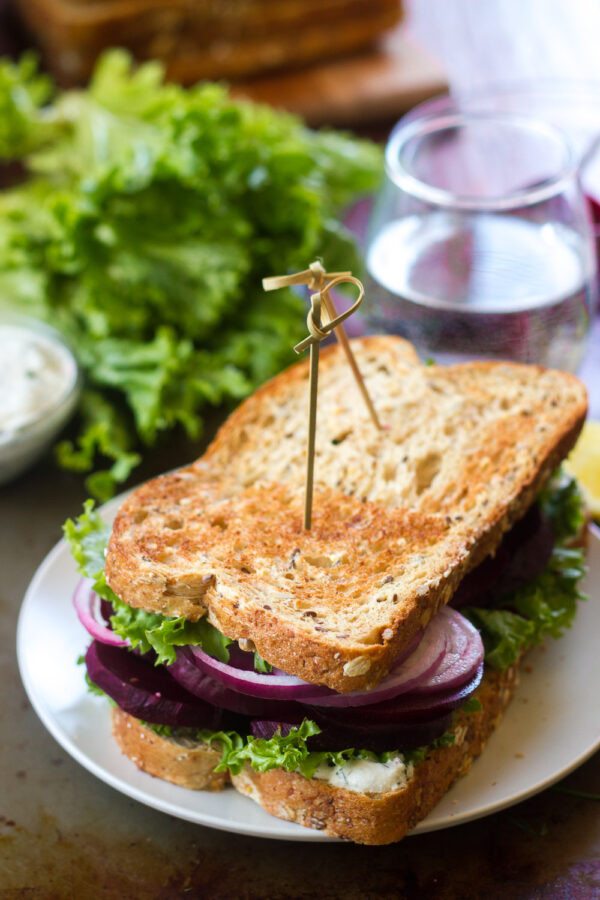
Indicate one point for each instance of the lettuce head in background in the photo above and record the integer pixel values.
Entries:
(147, 215)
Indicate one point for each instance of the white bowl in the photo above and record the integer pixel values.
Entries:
(30, 424)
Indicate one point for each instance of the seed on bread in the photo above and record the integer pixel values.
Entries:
(358, 666)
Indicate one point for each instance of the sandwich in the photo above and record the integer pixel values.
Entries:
(341, 677)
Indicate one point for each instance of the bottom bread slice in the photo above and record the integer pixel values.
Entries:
(365, 818)
(187, 763)
(382, 818)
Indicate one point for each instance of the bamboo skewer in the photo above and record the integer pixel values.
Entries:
(317, 278)
(315, 348)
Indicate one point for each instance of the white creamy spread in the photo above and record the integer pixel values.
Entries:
(366, 775)
(36, 372)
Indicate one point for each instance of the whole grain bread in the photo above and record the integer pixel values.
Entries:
(457, 440)
(334, 605)
(181, 761)
(399, 515)
(382, 818)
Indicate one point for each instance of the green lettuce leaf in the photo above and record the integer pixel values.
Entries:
(290, 751)
(546, 606)
(505, 634)
(23, 92)
(472, 705)
(287, 752)
(87, 537)
(562, 502)
(261, 665)
(147, 631)
(149, 216)
(550, 602)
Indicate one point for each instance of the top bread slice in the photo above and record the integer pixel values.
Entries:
(400, 514)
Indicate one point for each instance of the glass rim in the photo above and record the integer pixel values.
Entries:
(403, 178)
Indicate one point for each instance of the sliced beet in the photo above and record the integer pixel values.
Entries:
(335, 737)
(407, 736)
(524, 552)
(147, 691)
(266, 728)
(107, 610)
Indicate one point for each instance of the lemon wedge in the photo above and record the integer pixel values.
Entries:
(583, 463)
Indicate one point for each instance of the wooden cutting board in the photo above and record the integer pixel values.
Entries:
(375, 86)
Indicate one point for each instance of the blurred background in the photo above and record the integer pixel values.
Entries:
(331, 61)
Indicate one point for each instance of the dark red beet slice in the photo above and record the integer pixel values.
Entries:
(146, 691)
(106, 608)
(333, 737)
(522, 555)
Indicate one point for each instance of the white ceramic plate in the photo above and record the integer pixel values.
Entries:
(551, 727)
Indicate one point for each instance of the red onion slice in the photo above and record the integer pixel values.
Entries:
(273, 686)
(88, 606)
(462, 659)
(401, 710)
(276, 685)
(421, 705)
(413, 669)
(404, 677)
(203, 685)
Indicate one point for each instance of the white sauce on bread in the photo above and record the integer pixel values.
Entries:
(367, 775)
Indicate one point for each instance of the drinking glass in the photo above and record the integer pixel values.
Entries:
(480, 243)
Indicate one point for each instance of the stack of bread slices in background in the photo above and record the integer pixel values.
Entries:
(206, 38)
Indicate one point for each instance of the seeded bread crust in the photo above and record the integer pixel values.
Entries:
(383, 818)
(185, 763)
(465, 451)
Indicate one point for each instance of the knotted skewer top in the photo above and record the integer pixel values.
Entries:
(321, 283)
(319, 331)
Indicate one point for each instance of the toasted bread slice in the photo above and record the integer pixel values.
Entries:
(382, 818)
(399, 515)
(457, 440)
(334, 605)
(181, 761)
